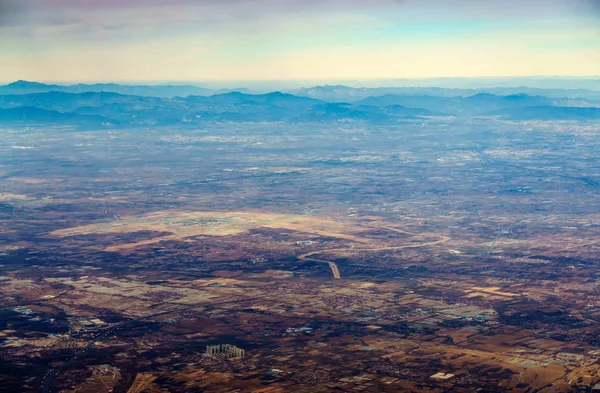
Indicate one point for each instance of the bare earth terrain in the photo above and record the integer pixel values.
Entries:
(444, 256)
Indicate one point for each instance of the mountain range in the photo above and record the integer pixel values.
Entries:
(164, 91)
(113, 108)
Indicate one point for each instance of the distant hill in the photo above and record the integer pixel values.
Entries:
(36, 115)
(128, 109)
(335, 93)
(341, 112)
(236, 98)
(111, 108)
(164, 91)
(398, 110)
(548, 113)
(459, 106)
(62, 101)
(341, 93)
(418, 101)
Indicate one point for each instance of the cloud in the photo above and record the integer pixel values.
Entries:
(9, 12)
(118, 20)
(222, 38)
(129, 20)
(50, 11)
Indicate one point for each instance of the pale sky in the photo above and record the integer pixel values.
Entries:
(224, 40)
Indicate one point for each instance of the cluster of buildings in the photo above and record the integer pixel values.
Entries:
(225, 351)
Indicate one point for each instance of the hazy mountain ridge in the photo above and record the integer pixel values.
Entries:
(164, 91)
(330, 93)
(549, 113)
(351, 94)
(27, 114)
(112, 108)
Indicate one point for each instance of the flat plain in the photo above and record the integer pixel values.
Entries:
(445, 255)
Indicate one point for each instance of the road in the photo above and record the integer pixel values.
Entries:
(334, 267)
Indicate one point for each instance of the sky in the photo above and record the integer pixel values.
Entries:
(256, 40)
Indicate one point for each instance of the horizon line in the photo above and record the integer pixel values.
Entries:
(336, 81)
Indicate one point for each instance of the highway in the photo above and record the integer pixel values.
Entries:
(334, 268)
